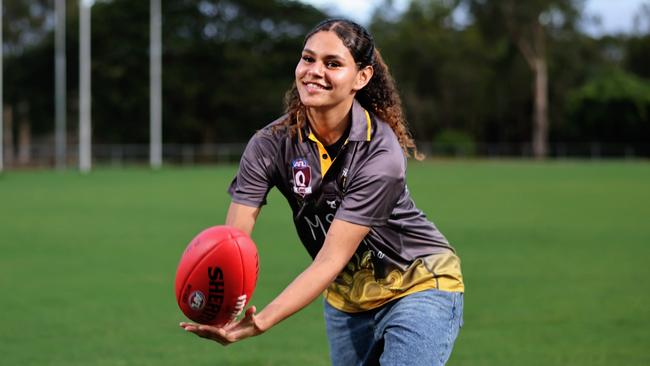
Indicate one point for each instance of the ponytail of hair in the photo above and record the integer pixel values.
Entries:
(380, 97)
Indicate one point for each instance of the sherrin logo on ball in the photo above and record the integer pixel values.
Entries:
(216, 275)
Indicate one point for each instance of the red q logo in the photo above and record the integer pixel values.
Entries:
(301, 177)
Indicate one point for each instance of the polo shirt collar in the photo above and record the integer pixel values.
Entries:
(361, 125)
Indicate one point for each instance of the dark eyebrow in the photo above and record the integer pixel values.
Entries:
(327, 57)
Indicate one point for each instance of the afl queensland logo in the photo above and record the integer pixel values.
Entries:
(196, 300)
(301, 177)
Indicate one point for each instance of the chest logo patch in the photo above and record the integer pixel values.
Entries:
(301, 177)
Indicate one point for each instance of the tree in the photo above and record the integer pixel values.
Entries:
(226, 65)
(440, 68)
(25, 27)
(527, 24)
(637, 54)
(25, 24)
(613, 107)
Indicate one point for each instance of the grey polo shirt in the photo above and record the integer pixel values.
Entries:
(365, 184)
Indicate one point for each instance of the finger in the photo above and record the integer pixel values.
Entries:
(208, 335)
(215, 333)
(203, 331)
(185, 325)
(249, 316)
(233, 324)
(190, 327)
(211, 329)
(193, 329)
(250, 312)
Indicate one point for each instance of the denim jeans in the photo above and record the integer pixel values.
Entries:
(418, 329)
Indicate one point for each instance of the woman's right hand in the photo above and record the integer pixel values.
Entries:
(235, 331)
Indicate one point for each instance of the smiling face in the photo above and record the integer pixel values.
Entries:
(327, 75)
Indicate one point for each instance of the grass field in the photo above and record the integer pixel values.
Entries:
(555, 257)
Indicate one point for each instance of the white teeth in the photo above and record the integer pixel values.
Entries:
(313, 85)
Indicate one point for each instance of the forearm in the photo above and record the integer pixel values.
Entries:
(342, 240)
(300, 293)
(242, 217)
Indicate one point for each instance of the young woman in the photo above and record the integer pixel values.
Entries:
(392, 284)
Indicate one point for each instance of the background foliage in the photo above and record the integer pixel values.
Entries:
(226, 65)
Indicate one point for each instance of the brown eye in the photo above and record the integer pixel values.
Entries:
(333, 64)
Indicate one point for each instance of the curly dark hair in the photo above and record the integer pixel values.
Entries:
(379, 96)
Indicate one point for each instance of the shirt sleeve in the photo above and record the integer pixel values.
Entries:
(254, 177)
(374, 190)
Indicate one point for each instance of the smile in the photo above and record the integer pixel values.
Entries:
(312, 87)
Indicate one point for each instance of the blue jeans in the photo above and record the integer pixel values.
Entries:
(418, 329)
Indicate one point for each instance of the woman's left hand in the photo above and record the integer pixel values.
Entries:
(229, 333)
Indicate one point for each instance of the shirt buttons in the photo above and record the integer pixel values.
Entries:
(324, 156)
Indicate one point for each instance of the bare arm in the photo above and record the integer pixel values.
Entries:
(242, 217)
(341, 242)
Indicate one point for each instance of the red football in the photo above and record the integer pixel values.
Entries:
(216, 276)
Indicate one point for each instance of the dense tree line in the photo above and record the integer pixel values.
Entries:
(512, 72)
(481, 79)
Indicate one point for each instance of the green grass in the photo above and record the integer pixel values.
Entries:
(554, 257)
